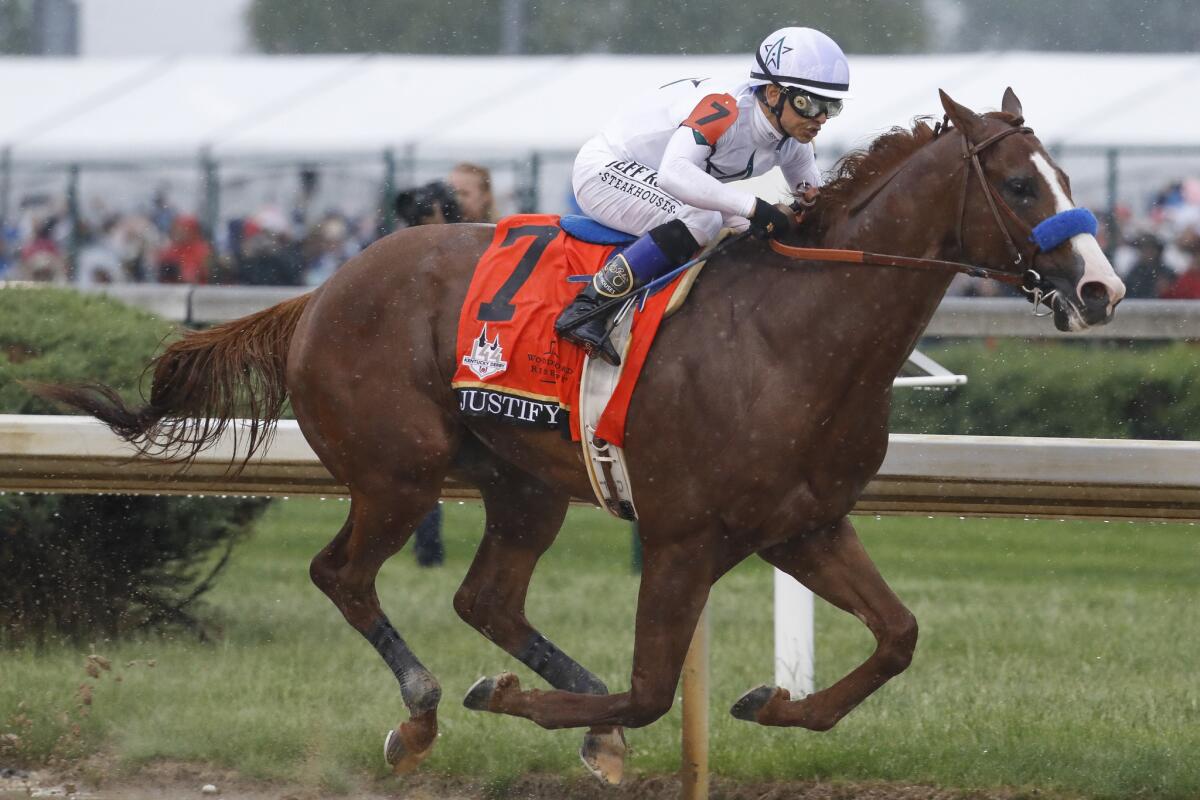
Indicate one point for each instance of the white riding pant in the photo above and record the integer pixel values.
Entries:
(625, 195)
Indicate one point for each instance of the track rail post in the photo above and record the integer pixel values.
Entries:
(694, 765)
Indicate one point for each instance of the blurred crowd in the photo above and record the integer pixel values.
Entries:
(273, 246)
(1160, 254)
(1156, 250)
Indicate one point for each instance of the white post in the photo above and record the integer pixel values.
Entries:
(694, 766)
(793, 635)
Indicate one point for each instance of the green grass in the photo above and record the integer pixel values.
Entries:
(1057, 655)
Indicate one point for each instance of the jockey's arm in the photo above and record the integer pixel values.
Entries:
(682, 175)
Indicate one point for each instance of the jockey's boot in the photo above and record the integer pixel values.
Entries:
(655, 253)
(614, 280)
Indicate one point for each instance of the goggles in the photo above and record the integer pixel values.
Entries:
(809, 105)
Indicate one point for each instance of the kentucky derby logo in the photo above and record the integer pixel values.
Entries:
(775, 51)
(486, 358)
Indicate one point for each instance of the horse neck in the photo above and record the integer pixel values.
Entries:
(915, 215)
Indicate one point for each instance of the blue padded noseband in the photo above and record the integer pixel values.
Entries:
(1053, 231)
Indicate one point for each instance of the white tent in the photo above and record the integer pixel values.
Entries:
(365, 117)
(39, 94)
(179, 108)
(137, 109)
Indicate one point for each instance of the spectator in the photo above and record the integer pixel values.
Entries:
(1187, 285)
(137, 242)
(99, 259)
(268, 257)
(9, 244)
(309, 178)
(1148, 277)
(427, 543)
(431, 204)
(42, 259)
(326, 248)
(162, 213)
(472, 185)
(187, 257)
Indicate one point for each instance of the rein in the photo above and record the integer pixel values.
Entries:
(884, 260)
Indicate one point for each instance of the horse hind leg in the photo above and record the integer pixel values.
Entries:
(346, 569)
(835, 566)
(523, 519)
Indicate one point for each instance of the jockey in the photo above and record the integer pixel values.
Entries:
(659, 171)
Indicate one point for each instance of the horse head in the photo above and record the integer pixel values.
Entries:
(1029, 222)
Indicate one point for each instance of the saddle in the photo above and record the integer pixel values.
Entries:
(512, 366)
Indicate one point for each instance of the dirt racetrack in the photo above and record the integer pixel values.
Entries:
(180, 781)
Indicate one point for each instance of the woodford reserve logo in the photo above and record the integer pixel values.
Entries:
(486, 358)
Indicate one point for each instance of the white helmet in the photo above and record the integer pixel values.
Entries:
(804, 58)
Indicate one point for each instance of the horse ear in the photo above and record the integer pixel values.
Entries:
(1011, 105)
(966, 120)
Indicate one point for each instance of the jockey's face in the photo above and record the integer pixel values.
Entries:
(802, 129)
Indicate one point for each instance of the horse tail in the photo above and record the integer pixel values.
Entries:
(200, 383)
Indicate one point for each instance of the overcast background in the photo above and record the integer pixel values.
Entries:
(160, 27)
(488, 27)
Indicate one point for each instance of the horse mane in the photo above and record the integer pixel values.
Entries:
(859, 170)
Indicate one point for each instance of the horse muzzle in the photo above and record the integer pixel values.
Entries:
(1095, 304)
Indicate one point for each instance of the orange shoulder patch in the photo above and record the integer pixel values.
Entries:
(712, 117)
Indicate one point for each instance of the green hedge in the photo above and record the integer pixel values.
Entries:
(79, 567)
(1060, 388)
(56, 334)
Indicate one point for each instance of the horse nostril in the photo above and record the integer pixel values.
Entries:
(1093, 293)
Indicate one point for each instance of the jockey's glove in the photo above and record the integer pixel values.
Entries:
(769, 221)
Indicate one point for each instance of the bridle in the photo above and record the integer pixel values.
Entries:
(1032, 283)
(995, 201)
(1039, 290)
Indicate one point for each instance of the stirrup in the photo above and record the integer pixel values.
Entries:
(604, 351)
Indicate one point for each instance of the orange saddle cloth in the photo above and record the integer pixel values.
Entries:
(510, 363)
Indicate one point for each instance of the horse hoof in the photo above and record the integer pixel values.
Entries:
(479, 694)
(604, 755)
(399, 755)
(749, 704)
(483, 691)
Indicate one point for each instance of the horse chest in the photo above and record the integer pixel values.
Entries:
(837, 461)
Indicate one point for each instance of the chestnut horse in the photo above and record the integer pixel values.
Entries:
(761, 416)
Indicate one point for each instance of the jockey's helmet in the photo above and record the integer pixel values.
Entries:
(802, 58)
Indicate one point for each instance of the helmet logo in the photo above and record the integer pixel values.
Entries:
(775, 51)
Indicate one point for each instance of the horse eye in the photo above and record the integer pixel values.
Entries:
(1021, 187)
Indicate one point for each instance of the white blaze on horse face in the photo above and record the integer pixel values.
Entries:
(1096, 266)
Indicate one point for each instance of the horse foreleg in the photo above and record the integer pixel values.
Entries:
(523, 519)
(835, 566)
(674, 589)
(345, 570)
